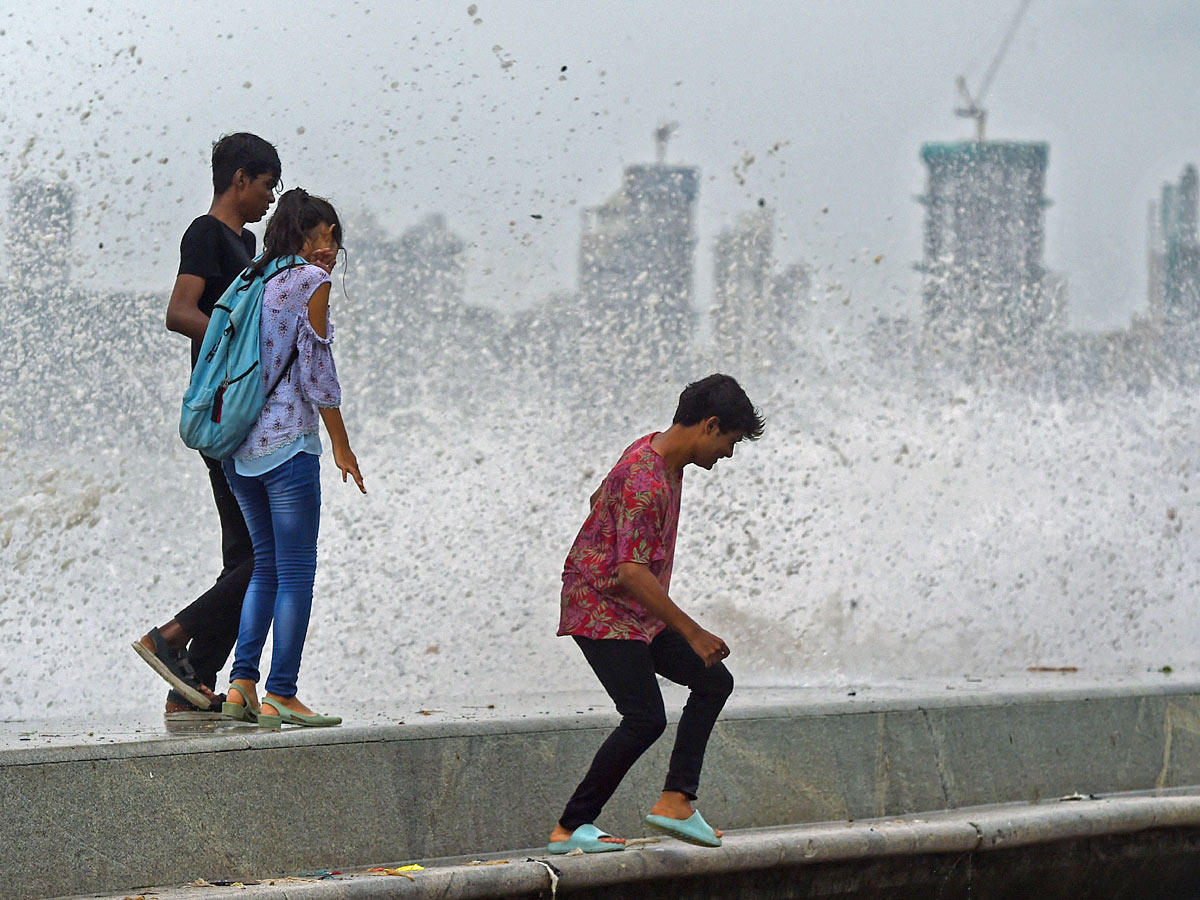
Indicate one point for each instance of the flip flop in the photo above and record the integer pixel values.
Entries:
(693, 830)
(585, 838)
(174, 667)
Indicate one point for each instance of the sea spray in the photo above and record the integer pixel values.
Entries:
(883, 528)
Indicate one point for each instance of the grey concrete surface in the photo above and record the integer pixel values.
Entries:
(235, 803)
(144, 723)
(529, 873)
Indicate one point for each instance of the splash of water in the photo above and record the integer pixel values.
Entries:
(885, 527)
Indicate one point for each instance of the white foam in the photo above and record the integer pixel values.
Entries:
(878, 531)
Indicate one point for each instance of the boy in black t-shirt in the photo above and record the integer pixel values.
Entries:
(190, 649)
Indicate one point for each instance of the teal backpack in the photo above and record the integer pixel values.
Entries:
(226, 394)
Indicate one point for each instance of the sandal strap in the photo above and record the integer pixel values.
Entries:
(593, 831)
(234, 686)
(161, 647)
(175, 659)
(185, 666)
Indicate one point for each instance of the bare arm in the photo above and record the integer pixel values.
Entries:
(183, 309)
(318, 310)
(343, 456)
(639, 581)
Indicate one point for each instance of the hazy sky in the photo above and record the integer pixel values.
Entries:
(412, 107)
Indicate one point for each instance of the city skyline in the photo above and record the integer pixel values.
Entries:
(638, 249)
(819, 108)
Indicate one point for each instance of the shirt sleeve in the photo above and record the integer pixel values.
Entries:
(318, 374)
(640, 517)
(198, 251)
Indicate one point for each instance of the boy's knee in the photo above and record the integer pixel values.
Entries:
(720, 681)
(648, 726)
(654, 725)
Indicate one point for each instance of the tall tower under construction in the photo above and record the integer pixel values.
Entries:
(1175, 252)
(986, 293)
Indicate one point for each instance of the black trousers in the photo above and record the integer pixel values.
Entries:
(627, 670)
(211, 620)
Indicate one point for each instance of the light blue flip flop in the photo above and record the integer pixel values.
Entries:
(693, 830)
(585, 838)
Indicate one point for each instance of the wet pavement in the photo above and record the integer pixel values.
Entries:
(132, 726)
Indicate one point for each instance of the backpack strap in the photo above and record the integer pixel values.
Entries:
(295, 350)
(286, 369)
(283, 269)
(247, 281)
(229, 310)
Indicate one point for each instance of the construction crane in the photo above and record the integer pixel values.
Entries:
(973, 106)
(662, 134)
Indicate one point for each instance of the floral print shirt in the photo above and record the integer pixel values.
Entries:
(311, 382)
(634, 519)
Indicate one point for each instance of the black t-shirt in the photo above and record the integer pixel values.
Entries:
(212, 250)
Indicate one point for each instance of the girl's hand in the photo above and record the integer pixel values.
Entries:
(326, 258)
(343, 458)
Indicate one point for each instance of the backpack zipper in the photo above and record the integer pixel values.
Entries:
(219, 396)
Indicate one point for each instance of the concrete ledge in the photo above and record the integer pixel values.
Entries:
(981, 830)
(80, 819)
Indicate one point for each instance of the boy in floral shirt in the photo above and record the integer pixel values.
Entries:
(615, 605)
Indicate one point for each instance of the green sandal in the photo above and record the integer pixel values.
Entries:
(239, 712)
(290, 717)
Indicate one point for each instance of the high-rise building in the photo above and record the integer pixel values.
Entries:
(743, 257)
(1175, 252)
(405, 310)
(756, 310)
(432, 263)
(41, 217)
(637, 260)
(986, 293)
(412, 279)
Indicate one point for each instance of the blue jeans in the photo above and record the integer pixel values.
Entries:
(282, 509)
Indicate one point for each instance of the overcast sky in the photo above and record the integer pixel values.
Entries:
(412, 107)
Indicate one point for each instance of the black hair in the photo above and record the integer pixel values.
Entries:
(244, 151)
(720, 396)
(297, 213)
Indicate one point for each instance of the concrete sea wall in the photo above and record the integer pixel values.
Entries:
(246, 804)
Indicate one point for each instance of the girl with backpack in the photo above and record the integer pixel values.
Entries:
(275, 473)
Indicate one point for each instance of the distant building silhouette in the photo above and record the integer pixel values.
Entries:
(986, 293)
(637, 260)
(414, 280)
(433, 258)
(1175, 253)
(405, 309)
(41, 218)
(756, 311)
